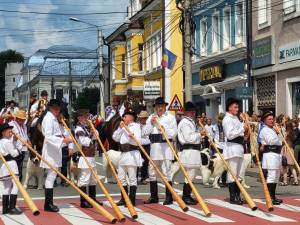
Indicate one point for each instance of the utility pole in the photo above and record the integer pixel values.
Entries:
(101, 76)
(70, 89)
(187, 36)
(249, 49)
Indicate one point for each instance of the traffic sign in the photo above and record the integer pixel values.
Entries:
(175, 104)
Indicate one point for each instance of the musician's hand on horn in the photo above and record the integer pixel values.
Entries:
(161, 128)
(154, 120)
(203, 133)
(122, 125)
(67, 140)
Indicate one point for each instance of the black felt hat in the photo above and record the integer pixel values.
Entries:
(160, 101)
(3, 127)
(231, 101)
(54, 103)
(266, 114)
(44, 93)
(129, 112)
(82, 112)
(189, 106)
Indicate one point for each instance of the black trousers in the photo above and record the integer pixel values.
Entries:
(65, 160)
(144, 168)
(19, 161)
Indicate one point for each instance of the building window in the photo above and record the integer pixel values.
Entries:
(239, 23)
(59, 94)
(203, 37)
(113, 65)
(128, 57)
(226, 29)
(140, 57)
(13, 93)
(289, 6)
(154, 52)
(123, 66)
(215, 33)
(74, 95)
(14, 79)
(264, 13)
(147, 56)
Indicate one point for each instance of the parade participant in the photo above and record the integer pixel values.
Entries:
(233, 150)
(32, 101)
(20, 128)
(142, 118)
(85, 138)
(7, 112)
(179, 114)
(10, 189)
(190, 157)
(160, 151)
(209, 126)
(52, 149)
(4, 109)
(271, 145)
(130, 157)
(38, 107)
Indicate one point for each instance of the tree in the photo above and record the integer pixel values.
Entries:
(7, 56)
(87, 99)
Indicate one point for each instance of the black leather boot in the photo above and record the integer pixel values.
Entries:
(122, 200)
(5, 204)
(92, 194)
(154, 193)
(12, 205)
(169, 197)
(132, 194)
(83, 202)
(186, 195)
(272, 190)
(232, 194)
(238, 197)
(49, 206)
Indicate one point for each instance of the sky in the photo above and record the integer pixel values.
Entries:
(29, 25)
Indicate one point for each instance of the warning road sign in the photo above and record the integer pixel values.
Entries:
(175, 104)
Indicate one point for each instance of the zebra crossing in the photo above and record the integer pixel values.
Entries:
(158, 214)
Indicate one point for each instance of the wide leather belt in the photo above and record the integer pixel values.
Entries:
(237, 140)
(157, 138)
(272, 148)
(191, 146)
(128, 147)
(8, 158)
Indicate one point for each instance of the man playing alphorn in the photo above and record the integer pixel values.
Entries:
(52, 150)
(271, 145)
(233, 150)
(190, 156)
(160, 151)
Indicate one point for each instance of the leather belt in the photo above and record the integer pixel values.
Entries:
(191, 146)
(272, 148)
(237, 140)
(128, 147)
(157, 138)
(8, 158)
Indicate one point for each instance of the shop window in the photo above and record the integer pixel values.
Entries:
(266, 92)
(296, 98)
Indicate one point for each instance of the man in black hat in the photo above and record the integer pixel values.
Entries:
(52, 149)
(38, 107)
(233, 152)
(271, 145)
(160, 151)
(190, 139)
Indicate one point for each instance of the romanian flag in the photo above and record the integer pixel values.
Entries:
(168, 60)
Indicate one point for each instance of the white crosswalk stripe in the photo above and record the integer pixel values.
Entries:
(200, 215)
(246, 210)
(15, 219)
(284, 206)
(76, 216)
(143, 217)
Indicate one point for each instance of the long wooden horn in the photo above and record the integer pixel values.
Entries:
(98, 207)
(129, 205)
(261, 173)
(170, 188)
(247, 197)
(196, 193)
(288, 148)
(24, 193)
(107, 195)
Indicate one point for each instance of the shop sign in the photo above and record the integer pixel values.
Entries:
(262, 52)
(151, 90)
(244, 92)
(289, 52)
(212, 74)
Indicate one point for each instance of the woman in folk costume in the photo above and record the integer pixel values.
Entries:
(271, 145)
(85, 139)
(9, 152)
(190, 140)
(131, 157)
(235, 132)
(52, 149)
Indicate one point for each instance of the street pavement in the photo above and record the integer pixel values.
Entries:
(223, 213)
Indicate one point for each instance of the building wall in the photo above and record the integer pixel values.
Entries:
(12, 78)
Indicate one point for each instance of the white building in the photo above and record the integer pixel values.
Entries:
(13, 79)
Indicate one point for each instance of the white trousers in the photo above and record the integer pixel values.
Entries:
(86, 178)
(273, 176)
(50, 178)
(131, 172)
(9, 187)
(192, 173)
(235, 164)
(164, 166)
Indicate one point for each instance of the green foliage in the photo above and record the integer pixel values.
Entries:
(7, 56)
(87, 99)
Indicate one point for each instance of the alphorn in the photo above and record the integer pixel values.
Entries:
(247, 197)
(129, 205)
(107, 195)
(196, 193)
(288, 147)
(261, 173)
(170, 188)
(98, 207)
(24, 193)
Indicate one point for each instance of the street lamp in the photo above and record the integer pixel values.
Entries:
(100, 62)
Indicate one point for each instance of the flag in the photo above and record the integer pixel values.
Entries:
(168, 60)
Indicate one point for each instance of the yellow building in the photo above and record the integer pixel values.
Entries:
(136, 53)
